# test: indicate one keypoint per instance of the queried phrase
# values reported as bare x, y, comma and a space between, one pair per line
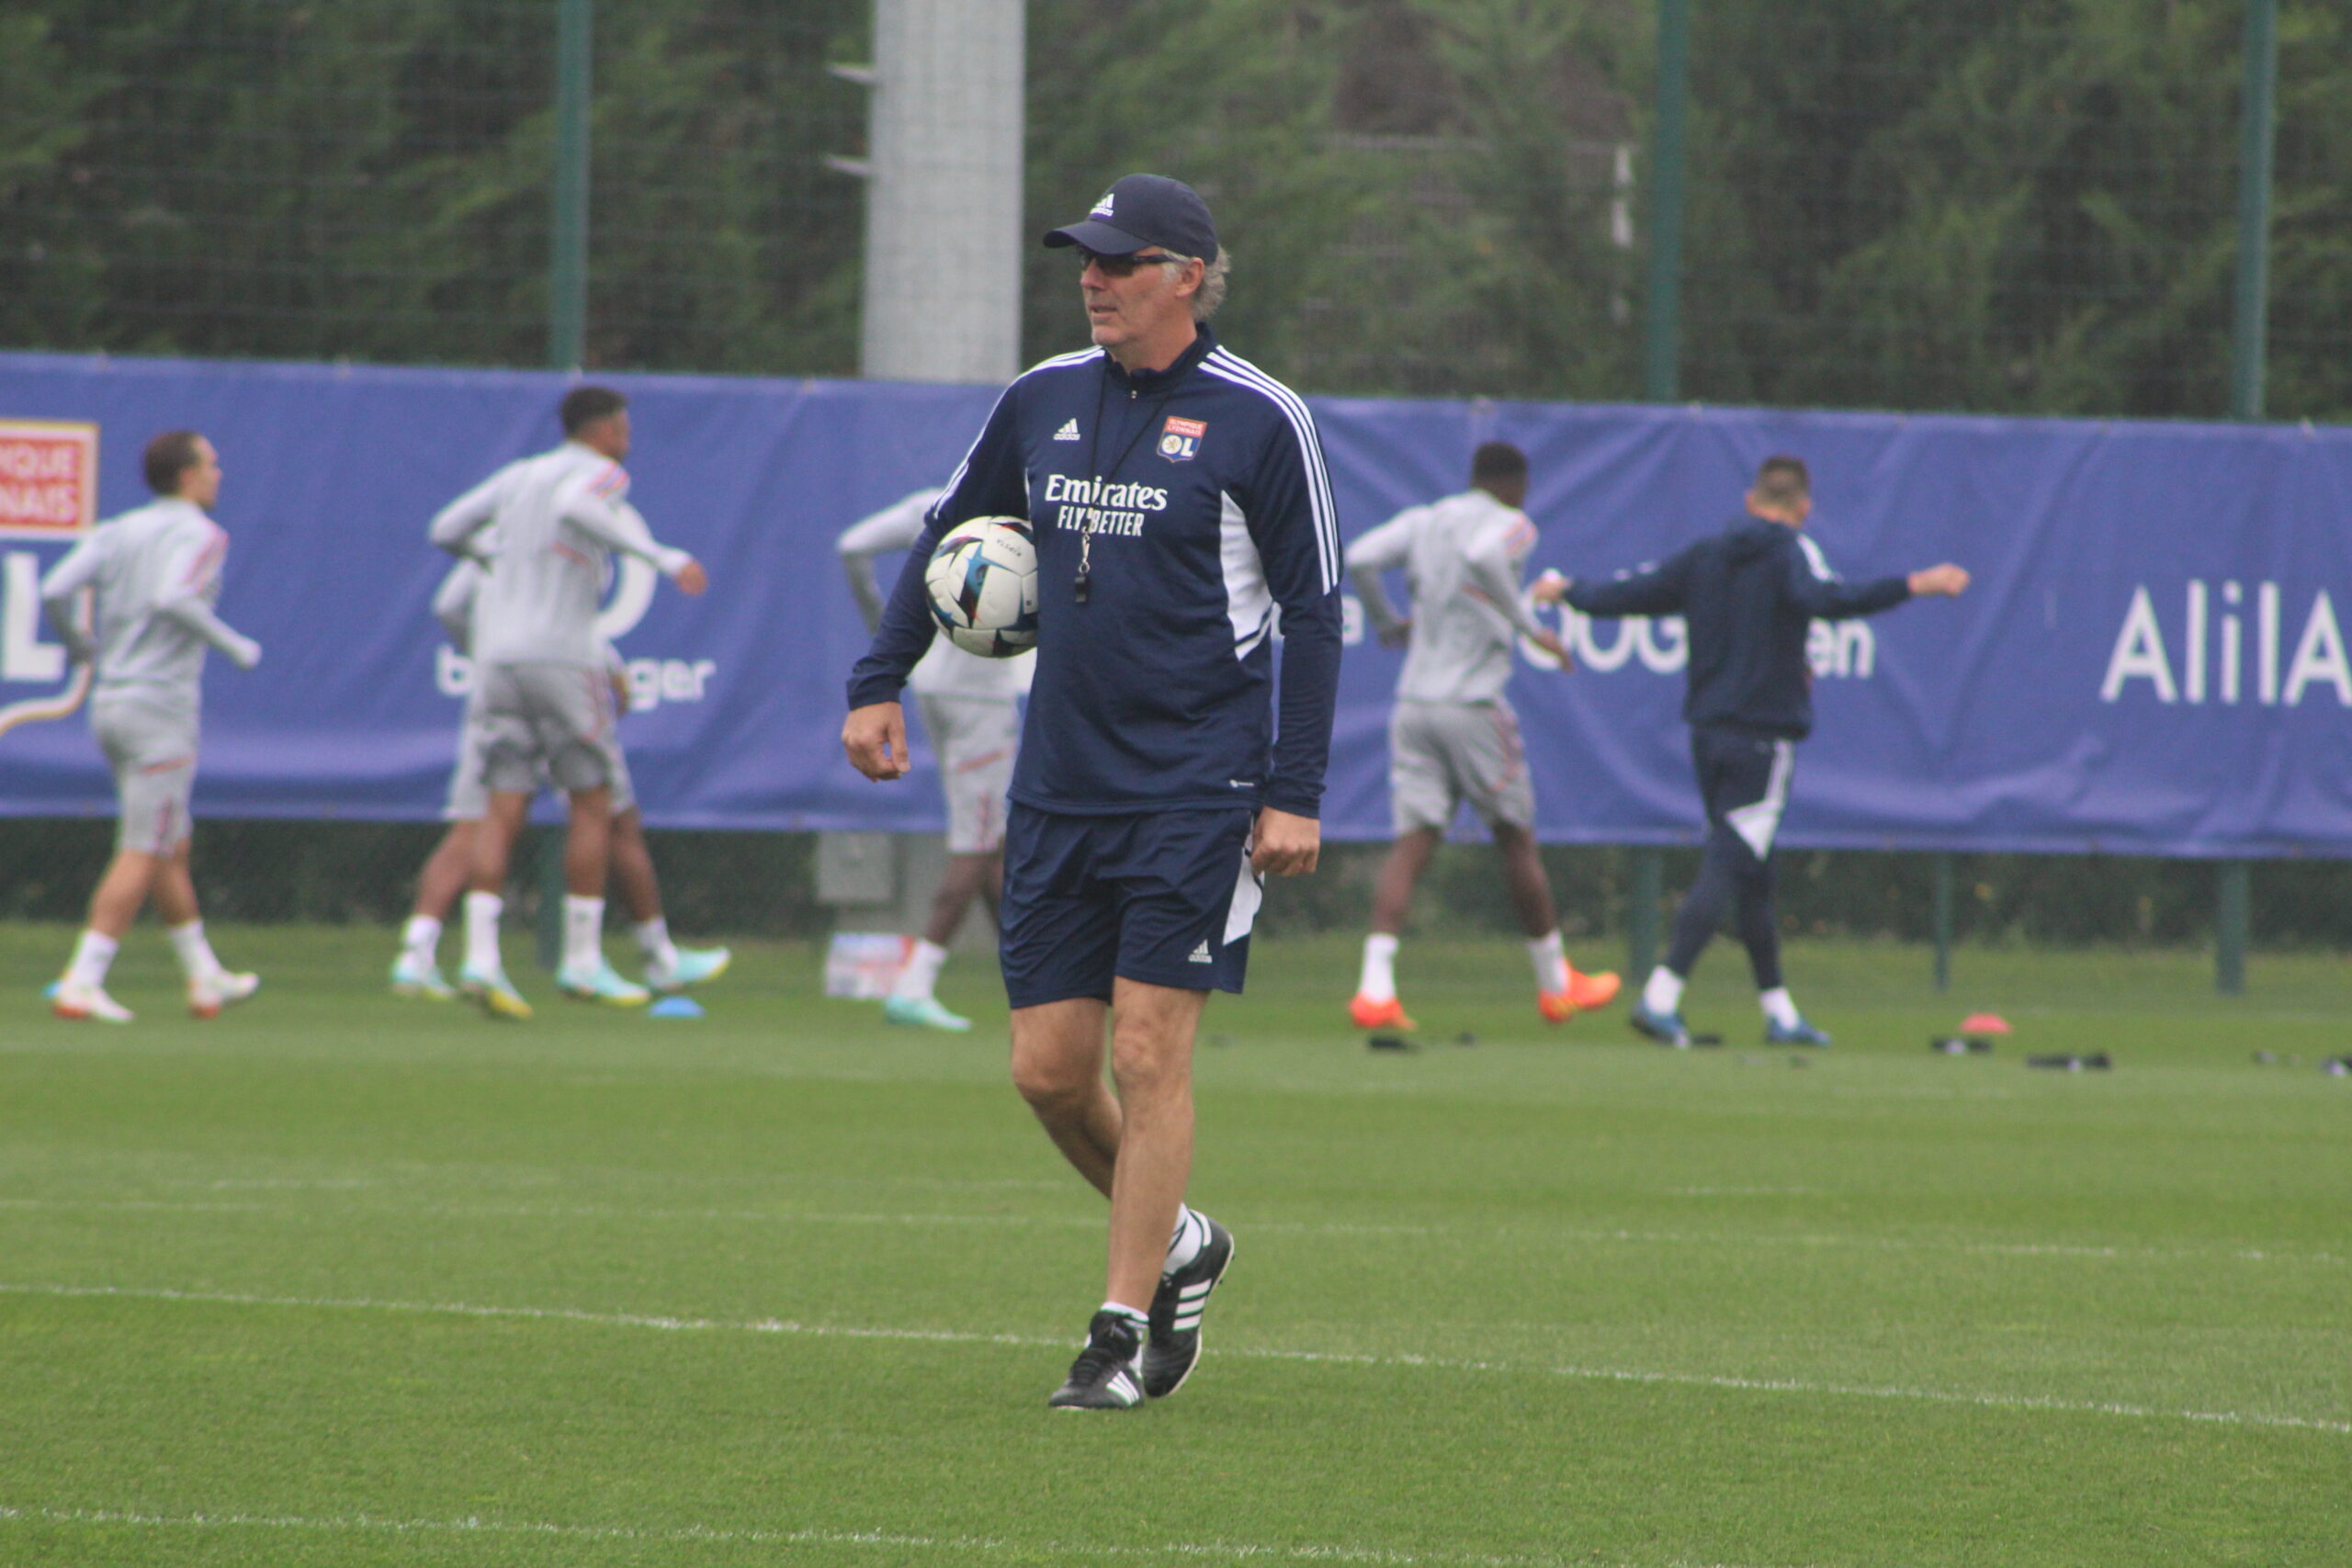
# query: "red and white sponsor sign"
48, 478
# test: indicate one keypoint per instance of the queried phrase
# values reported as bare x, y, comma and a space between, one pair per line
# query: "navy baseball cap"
1145, 209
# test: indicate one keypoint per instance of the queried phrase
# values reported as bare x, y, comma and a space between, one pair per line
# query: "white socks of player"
195, 953
421, 937
1191, 1233
1779, 1007
583, 931
482, 910
654, 941
1662, 993
1378, 983
916, 981
1550, 961
91, 957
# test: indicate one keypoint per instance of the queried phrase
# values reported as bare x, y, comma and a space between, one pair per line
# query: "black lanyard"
1080, 589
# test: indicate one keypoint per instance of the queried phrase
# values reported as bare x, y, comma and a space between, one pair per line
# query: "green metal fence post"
568, 253
2249, 343
1662, 322
2232, 917
1645, 891
1661, 373
1942, 863
567, 327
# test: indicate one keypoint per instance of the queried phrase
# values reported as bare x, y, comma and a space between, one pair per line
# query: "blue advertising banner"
2152, 659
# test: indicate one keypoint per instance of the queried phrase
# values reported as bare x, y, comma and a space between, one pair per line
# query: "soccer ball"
983, 583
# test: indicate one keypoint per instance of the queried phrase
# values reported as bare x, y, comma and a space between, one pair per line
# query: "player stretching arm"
156, 572
1749, 596
416, 972
1179, 497
540, 664
1453, 733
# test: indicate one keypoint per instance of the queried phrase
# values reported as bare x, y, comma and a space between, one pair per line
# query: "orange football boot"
1584, 991
1390, 1014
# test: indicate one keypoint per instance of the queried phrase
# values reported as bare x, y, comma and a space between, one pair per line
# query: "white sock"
420, 937
195, 953
1550, 961
1779, 1006
1141, 1320
654, 941
921, 974
91, 957
1191, 1233
1663, 994
1378, 983
482, 910
583, 931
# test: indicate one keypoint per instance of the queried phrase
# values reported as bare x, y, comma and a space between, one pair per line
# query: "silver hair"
1211, 293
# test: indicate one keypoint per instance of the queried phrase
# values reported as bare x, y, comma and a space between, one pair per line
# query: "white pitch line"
956, 1337
2237, 1252
1223, 1550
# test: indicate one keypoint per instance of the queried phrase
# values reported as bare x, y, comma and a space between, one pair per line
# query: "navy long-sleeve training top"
1198, 498
1748, 596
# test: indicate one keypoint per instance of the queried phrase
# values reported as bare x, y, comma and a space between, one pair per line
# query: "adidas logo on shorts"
1068, 432
1201, 954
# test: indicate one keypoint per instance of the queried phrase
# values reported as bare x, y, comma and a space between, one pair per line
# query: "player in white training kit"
971, 710
539, 664
156, 574
416, 972
1454, 736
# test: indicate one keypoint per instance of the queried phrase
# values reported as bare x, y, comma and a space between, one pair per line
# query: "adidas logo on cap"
1102, 208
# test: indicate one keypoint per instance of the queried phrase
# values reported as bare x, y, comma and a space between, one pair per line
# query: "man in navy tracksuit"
1180, 503
1749, 596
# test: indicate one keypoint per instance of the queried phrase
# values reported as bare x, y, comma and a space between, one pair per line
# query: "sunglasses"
1119, 266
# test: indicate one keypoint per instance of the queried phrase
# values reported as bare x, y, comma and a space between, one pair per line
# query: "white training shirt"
558, 517
157, 573
453, 607
946, 670
1462, 558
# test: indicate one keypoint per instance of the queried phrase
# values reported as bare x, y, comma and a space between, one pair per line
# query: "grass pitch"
344, 1279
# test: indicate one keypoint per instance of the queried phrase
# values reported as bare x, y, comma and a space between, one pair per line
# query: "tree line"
2022, 207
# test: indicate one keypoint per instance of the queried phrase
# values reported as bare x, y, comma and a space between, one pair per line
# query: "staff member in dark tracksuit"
1749, 595
1180, 503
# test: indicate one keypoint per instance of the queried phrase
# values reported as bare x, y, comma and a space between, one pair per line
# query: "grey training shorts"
153, 752
547, 721
1441, 754
469, 779
975, 740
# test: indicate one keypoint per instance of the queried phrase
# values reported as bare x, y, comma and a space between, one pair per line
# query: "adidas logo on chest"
1068, 432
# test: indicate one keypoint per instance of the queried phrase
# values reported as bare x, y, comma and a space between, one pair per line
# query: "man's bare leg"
1135, 1147
444, 874
1151, 1061
1392, 895
1057, 1067
494, 837
122, 892
588, 843
632, 868
1375, 1005
1530, 889
969, 876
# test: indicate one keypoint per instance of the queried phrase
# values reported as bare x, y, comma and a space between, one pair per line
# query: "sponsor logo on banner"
1180, 439
1833, 650
49, 498
2228, 644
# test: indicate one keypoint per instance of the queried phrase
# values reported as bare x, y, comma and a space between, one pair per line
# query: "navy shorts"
1164, 897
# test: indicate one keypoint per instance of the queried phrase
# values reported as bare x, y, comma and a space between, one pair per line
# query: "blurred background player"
1749, 595
1454, 736
539, 666
971, 709
416, 972
156, 574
